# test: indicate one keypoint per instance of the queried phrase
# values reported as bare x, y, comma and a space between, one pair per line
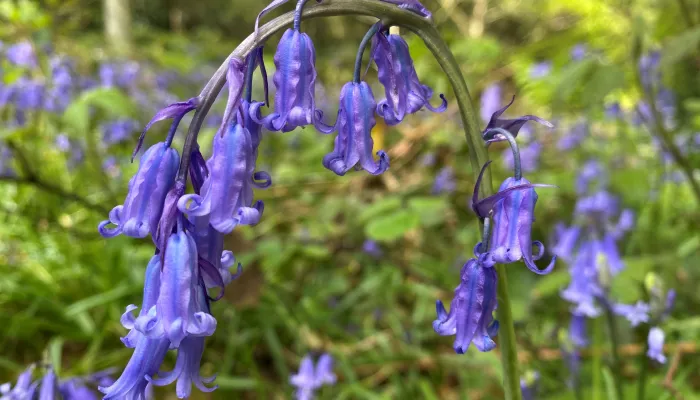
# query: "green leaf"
55, 349
680, 46
430, 210
384, 205
392, 226
609, 384
97, 300
688, 247
550, 284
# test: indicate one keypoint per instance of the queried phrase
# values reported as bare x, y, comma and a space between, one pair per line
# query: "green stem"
614, 346
506, 339
597, 358
644, 369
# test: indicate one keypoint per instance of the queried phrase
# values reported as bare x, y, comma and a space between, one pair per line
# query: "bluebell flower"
75, 389
412, 5
295, 80
656, 345
635, 313
649, 68
574, 137
613, 110
309, 379
176, 111
577, 330
49, 385
354, 142
181, 310
62, 142
592, 170
511, 125
529, 385
444, 181
210, 248
23, 388
227, 194
405, 94
578, 52
540, 69
29, 95
145, 361
21, 54
118, 131
370, 247
567, 238
471, 311
5, 159
147, 190
151, 290
490, 101
186, 371
107, 73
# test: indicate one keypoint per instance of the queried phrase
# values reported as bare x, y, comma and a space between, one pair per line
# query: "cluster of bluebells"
590, 248
188, 229
50, 387
508, 216
49, 84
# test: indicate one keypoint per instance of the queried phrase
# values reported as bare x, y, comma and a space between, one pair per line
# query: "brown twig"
668, 380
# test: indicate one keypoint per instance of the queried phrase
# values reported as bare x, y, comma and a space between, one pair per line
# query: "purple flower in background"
22, 54
295, 80
656, 345
540, 69
578, 52
635, 313
354, 142
75, 389
529, 385
490, 101
23, 389
444, 181
529, 157
107, 73
511, 125
309, 379
429, 159
577, 330
574, 137
471, 311
118, 131
370, 247
649, 68
62, 142
128, 74
613, 110
227, 194
592, 170
29, 94
566, 241
405, 94
111, 166
147, 189
60, 93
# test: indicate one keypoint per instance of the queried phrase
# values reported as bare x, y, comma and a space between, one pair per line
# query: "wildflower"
62, 142
117, 131
649, 68
567, 239
490, 101
655, 342
541, 69
23, 389
151, 290
227, 194
308, 379
577, 330
578, 52
145, 361
444, 181
295, 80
471, 311
529, 157
180, 310
405, 94
511, 125
48, 386
371, 248
528, 385
29, 94
186, 371
176, 111
576, 135
636, 313
591, 170
354, 143
147, 190
613, 110
22, 54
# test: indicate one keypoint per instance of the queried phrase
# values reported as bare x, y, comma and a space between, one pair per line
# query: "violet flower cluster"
310, 378
188, 229
511, 211
50, 387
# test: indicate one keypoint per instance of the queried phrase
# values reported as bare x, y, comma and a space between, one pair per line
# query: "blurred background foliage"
350, 265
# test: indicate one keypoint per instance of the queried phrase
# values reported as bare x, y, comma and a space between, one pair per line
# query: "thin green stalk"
644, 368
506, 339
614, 348
597, 358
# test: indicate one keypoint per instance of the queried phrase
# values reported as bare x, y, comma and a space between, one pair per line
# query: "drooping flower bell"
309, 379
471, 311
227, 194
513, 210
405, 94
145, 361
295, 81
23, 388
151, 290
179, 311
186, 371
656, 345
147, 190
511, 125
